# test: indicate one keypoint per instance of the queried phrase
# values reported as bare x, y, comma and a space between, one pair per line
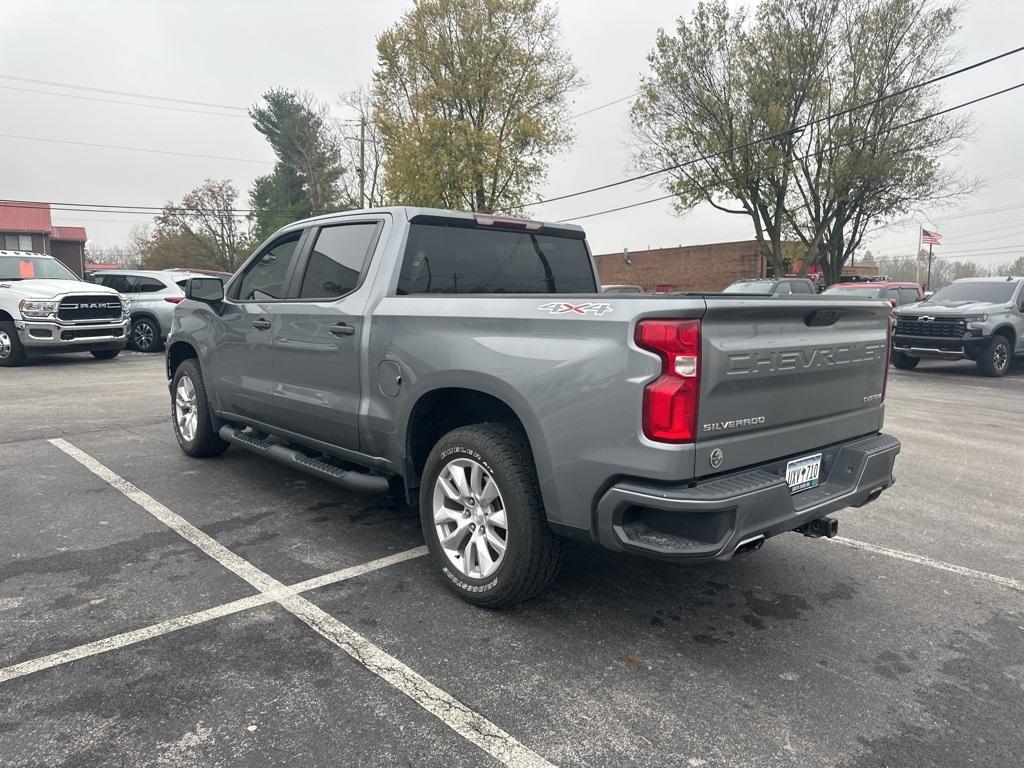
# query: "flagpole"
929, 285
917, 255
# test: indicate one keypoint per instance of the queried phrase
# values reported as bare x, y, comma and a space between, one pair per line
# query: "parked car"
772, 286
975, 318
470, 363
621, 289
151, 296
895, 292
45, 308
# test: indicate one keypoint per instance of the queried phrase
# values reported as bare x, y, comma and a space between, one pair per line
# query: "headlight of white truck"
30, 308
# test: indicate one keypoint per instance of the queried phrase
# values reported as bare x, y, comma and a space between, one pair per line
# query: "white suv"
45, 308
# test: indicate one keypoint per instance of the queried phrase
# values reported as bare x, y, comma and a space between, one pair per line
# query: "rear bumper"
48, 336
709, 520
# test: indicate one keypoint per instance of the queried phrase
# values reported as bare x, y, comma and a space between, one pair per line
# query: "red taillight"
174, 299
670, 401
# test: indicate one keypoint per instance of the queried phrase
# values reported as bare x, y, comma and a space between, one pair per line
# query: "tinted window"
991, 292
120, 283
148, 285
908, 296
893, 294
446, 259
865, 293
266, 278
337, 261
782, 288
799, 286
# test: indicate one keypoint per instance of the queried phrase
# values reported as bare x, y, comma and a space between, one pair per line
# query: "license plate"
802, 474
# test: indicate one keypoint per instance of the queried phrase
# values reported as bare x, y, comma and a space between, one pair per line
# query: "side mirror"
893, 302
209, 290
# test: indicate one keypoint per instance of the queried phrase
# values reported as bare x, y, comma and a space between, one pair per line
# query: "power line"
122, 93
834, 146
781, 134
126, 103
603, 106
133, 149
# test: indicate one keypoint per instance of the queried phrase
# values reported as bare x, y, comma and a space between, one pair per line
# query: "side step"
358, 482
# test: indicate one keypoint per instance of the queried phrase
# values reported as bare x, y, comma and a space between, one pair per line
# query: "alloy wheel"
6, 345
1000, 356
186, 415
143, 335
470, 518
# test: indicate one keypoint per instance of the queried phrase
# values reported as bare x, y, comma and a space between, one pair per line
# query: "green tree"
469, 100
724, 80
309, 176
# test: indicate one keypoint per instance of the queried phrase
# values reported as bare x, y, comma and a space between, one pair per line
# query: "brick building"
707, 268
28, 227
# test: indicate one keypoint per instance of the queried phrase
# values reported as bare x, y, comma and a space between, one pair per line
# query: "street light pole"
362, 162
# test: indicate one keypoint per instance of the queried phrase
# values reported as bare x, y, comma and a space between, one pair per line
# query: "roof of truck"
410, 212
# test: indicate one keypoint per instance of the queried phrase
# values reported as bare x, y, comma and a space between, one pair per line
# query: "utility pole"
928, 285
362, 161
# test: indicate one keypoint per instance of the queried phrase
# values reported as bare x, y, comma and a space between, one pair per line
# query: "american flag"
930, 238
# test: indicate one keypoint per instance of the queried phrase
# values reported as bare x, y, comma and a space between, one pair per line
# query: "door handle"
342, 329
261, 324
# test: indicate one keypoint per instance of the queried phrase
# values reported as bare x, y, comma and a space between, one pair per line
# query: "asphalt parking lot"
146, 616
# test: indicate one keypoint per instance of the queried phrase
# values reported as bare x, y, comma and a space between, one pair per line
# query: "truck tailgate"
786, 375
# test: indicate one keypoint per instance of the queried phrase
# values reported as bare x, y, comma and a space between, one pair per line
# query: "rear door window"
337, 260
458, 259
893, 294
148, 285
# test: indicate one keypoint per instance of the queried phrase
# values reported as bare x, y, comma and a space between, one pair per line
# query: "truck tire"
12, 353
106, 354
190, 413
904, 361
995, 356
145, 336
479, 495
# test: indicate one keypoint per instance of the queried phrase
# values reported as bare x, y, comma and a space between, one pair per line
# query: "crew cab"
45, 308
895, 292
772, 286
470, 363
974, 318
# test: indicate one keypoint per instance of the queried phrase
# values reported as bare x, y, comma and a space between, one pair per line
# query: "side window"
908, 296
148, 285
893, 294
120, 283
337, 261
782, 289
800, 286
266, 277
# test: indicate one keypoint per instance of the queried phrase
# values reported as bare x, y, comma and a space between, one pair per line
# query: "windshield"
751, 286
868, 293
991, 293
33, 267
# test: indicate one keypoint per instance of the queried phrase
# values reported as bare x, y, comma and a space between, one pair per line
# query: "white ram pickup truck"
45, 308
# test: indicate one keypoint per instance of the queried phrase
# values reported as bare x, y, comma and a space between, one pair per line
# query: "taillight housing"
174, 299
670, 401
888, 355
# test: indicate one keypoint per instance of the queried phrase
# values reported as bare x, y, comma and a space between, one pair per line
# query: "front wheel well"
440, 411
1009, 333
178, 353
5, 317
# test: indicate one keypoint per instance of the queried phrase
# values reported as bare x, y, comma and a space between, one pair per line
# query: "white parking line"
910, 557
471, 725
183, 622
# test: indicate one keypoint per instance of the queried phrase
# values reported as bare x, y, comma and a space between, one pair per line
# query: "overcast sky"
227, 52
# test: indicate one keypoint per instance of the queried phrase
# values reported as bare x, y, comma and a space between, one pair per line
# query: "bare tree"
363, 150
207, 215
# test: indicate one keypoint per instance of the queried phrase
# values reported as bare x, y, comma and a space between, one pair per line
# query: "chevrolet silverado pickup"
45, 308
470, 363
974, 318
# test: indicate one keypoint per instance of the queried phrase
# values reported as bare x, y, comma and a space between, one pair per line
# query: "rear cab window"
453, 258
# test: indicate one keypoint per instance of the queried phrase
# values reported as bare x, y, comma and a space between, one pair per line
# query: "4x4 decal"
565, 308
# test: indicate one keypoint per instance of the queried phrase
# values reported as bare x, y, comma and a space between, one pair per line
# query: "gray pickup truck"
469, 362
975, 318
